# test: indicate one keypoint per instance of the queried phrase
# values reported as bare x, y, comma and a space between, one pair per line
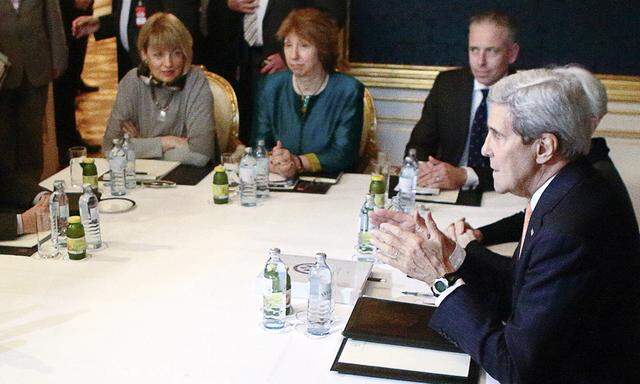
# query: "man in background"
32, 38
449, 135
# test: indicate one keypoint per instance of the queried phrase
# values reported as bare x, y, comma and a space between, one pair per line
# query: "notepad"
405, 358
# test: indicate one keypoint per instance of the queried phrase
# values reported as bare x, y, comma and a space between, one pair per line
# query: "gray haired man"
564, 308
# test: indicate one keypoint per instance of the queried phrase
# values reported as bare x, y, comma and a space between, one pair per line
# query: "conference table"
173, 297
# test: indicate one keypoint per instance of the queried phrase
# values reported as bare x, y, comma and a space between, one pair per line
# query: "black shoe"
85, 88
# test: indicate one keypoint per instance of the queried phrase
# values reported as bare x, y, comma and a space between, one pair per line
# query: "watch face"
440, 285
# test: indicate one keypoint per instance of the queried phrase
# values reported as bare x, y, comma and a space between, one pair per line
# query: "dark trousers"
65, 89
125, 62
21, 128
249, 75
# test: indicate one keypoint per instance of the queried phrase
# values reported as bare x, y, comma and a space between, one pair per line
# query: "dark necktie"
478, 135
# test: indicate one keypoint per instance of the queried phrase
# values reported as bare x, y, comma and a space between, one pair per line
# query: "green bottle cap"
377, 177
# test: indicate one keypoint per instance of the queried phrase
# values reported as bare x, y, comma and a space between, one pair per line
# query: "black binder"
397, 323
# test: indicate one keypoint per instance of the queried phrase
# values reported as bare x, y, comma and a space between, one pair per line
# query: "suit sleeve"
8, 226
59, 50
504, 230
531, 343
425, 136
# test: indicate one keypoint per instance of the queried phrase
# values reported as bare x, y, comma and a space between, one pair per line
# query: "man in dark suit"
32, 37
450, 133
20, 199
507, 229
242, 44
136, 14
565, 307
65, 88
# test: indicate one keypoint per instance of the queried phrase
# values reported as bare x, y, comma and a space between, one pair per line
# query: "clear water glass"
76, 155
47, 249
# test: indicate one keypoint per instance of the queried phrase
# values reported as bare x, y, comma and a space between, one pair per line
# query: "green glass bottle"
378, 188
89, 172
76, 244
288, 294
220, 185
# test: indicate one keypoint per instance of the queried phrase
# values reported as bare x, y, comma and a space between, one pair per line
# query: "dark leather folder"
396, 323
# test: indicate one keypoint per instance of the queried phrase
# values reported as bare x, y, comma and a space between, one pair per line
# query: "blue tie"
478, 134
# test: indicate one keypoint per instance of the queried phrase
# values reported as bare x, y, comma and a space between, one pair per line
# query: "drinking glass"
76, 155
46, 248
380, 166
231, 165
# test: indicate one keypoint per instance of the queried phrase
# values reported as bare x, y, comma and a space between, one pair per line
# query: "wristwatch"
442, 284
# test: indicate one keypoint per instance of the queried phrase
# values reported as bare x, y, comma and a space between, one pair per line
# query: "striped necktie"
251, 28
478, 134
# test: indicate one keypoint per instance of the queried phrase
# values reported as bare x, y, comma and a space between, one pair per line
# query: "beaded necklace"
307, 98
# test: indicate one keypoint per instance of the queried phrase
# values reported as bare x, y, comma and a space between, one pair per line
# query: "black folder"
471, 197
397, 323
188, 174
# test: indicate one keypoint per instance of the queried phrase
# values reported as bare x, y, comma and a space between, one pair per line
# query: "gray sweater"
189, 114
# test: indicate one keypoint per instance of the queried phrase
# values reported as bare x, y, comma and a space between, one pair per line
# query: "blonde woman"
165, 104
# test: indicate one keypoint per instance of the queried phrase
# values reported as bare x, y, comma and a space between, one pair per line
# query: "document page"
449, 197
405, 358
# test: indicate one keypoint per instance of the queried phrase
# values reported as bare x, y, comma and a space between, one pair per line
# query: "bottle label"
406, 184
379, 200
76, 246
93, 212
322, 291
117, 164
247, 175
263, 166
220, 192
93, 180
141, 15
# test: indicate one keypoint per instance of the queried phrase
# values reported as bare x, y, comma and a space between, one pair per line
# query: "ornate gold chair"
368, 146
225, 112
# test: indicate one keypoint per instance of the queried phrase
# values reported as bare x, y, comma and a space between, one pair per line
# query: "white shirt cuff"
472, 179
447, 292
19, 227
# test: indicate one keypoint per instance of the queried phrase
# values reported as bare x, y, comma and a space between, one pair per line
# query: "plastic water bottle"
274, 301
59, 213
262, 171
248, 179
88, 204
407, 185
130, 170
365, 248
117, 166
319, 307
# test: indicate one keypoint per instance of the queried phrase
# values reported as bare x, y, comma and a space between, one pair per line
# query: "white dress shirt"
16, 4
124, 23
260, 11
476, 98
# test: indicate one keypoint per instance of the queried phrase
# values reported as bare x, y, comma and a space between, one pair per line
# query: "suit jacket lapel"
566, 179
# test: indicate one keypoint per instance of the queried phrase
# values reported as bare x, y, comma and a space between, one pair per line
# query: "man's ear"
547, 146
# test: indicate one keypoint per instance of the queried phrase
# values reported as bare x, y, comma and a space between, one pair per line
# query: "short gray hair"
542, 101
594, 89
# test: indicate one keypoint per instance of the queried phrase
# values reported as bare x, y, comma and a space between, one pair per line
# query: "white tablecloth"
172, 298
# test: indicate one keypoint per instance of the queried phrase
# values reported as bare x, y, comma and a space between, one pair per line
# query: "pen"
410, 293
141, 173
376, 279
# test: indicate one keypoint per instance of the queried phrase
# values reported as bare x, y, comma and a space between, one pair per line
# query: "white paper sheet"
405, 358
443, 197
22, 241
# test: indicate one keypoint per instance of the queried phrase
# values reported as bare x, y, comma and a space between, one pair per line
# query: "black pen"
141, 173
410, 293
377, 279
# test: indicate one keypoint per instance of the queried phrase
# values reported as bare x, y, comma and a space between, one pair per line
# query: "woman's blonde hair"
165, 31
317, 28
